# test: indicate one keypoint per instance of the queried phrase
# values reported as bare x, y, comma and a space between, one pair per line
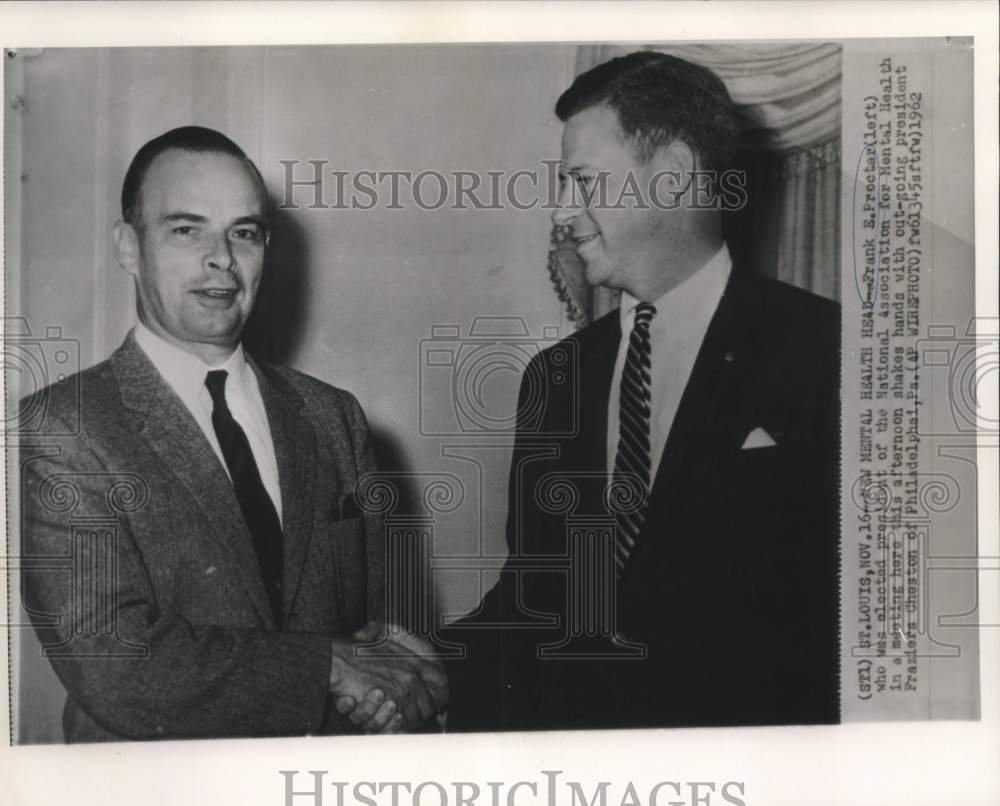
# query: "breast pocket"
755, 482
748, 459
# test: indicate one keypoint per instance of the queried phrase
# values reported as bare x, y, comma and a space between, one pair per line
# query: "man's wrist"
338, 663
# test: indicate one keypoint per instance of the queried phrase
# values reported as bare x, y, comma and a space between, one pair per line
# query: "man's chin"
594, 274
222, 333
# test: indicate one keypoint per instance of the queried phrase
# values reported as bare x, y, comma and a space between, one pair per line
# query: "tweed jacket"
162, 628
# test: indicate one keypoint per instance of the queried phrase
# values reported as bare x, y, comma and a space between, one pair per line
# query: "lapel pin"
729, 358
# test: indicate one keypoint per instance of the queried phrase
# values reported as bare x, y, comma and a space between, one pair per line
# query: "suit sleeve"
137, 671
375, 534
492, 686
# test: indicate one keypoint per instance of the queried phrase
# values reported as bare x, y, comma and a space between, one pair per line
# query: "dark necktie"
256, 505
632, 461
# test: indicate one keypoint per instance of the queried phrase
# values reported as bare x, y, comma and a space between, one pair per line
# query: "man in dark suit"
223, 573
673, 501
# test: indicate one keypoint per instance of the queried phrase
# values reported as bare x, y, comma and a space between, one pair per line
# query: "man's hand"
432, 668
397, 685
374, 714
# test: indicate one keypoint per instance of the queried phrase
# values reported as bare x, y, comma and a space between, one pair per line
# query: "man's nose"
569, 207
220, 256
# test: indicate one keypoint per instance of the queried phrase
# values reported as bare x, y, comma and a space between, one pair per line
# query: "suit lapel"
294, 448
714, 405
712, 408
168, 427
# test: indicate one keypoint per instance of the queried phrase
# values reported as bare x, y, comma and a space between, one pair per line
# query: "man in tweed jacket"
173, 622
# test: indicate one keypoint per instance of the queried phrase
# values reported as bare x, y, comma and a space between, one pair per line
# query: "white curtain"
788, 99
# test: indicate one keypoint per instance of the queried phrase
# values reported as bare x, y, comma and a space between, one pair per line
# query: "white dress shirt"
675, 336
186, 376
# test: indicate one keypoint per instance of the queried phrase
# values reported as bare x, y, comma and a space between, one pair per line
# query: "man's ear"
675, 160
127, 247
670, 170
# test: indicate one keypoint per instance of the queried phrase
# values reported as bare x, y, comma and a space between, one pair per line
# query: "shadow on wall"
277, 326
415, 599
392, 460
276, 332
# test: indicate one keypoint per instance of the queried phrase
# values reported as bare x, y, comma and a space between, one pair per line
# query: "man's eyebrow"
182, 216
250, 219
194, 218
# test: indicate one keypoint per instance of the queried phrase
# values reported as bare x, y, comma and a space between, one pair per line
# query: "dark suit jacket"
732, 587
163, 628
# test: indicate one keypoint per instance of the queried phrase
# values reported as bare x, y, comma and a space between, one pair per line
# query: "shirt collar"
706, 283
185, 372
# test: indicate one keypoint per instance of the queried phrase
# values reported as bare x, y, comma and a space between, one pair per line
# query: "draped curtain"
788, 103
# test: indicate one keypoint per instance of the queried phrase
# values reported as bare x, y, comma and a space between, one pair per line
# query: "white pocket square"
758, 438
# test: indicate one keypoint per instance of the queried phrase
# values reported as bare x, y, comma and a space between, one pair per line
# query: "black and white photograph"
477, 388
673, 479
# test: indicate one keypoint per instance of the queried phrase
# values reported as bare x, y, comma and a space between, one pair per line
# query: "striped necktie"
632, 461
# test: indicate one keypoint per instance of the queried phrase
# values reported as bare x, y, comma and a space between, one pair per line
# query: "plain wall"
351, 295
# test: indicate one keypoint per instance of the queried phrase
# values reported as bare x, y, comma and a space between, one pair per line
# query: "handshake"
392, 685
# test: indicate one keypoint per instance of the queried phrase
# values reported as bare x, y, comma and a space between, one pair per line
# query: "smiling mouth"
582, 239
219, 295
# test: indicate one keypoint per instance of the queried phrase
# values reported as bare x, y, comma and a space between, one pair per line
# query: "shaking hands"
386, 681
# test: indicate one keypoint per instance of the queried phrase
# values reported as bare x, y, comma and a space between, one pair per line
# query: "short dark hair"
659, 99
197, 140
